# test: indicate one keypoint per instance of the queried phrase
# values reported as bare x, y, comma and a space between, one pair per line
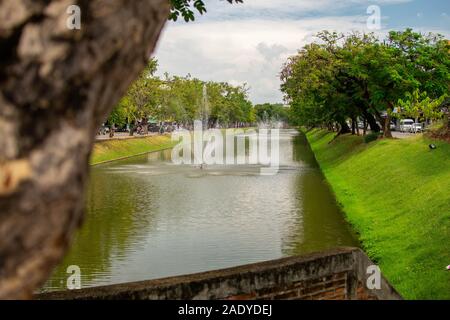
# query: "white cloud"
247, 51
313, 5
250, 44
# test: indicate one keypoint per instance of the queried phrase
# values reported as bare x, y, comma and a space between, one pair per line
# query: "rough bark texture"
370, 120
56, 87
387, 122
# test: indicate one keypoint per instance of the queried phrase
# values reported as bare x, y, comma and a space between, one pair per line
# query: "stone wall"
338, 274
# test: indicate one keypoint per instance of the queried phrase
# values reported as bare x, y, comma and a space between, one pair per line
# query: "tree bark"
387, 128
370, 119
344, 128
56, 87
387, 123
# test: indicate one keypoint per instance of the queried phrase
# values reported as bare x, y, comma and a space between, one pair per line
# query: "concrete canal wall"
337, 274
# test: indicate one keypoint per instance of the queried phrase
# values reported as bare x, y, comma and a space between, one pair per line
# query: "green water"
148, 218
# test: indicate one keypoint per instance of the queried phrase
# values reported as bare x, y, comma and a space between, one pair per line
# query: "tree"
185, 8
420, 105
57, 86
271, 112
358, 76
140, 101
180, 99
309, 81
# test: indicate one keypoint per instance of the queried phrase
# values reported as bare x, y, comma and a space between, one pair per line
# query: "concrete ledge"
335, 274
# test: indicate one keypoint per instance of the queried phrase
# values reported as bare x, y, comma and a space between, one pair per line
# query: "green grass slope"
396, 194
115, 149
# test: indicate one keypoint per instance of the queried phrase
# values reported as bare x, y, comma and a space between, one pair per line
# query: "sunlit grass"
396, 194
110, 150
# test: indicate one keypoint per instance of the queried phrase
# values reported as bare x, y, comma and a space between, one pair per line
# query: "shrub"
371, 137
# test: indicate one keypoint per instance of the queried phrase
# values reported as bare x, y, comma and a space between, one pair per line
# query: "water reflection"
321, 224
147, 218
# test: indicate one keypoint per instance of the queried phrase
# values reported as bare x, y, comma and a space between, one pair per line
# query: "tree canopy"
180, 99
343, 77
271, 112
186, 8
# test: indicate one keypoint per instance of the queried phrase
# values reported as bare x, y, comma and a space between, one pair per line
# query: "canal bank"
123, 147
116, 149
337, 274
144, 215
396, 195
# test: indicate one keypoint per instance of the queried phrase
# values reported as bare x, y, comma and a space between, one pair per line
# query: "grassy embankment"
116, 149
396, 194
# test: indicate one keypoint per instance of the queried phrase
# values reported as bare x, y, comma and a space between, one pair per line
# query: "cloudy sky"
248, 43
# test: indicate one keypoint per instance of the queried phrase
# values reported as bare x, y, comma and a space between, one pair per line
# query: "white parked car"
416, 127
406, 125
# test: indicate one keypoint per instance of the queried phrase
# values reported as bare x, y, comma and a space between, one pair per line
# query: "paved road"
122, 135
403, 135
126, 135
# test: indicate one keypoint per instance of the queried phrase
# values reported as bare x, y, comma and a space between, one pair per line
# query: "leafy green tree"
269, 111
420, 105
427, 59
358, 76
180, 99
186, 8
140, 100
308, 82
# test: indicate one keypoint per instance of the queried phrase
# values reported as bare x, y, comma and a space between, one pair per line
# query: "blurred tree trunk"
344, 128
387, 122
56, 87
371, 121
